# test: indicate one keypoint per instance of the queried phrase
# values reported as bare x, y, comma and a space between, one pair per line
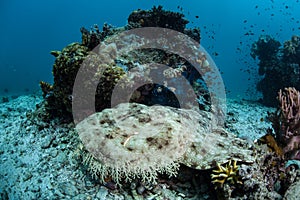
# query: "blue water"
31, 29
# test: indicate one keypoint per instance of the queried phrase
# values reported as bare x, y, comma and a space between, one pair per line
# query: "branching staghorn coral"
227, 173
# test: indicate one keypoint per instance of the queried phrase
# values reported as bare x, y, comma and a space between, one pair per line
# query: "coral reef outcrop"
157, 17
278, 66
59, 96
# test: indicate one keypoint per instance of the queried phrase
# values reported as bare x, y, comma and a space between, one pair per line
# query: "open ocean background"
31, 29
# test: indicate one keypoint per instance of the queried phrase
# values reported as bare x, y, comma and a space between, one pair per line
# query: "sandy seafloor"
37, 162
